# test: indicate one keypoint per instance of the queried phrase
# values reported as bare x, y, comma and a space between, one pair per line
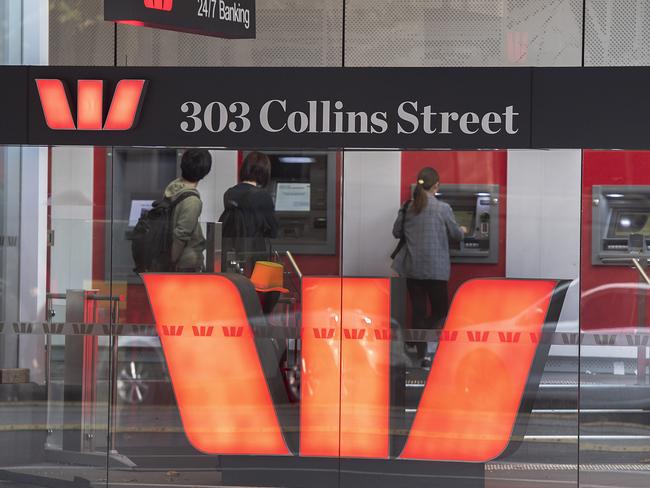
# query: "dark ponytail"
427, 178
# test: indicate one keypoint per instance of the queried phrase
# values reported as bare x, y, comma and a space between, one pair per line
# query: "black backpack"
235, 231
151, 239
242, 239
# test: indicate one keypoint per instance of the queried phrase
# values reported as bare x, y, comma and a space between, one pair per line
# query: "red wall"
603, 307
99, 212
464, 167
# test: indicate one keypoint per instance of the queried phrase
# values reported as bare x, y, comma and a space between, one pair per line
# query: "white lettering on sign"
229, 12
411, 120
331, 117
216, 117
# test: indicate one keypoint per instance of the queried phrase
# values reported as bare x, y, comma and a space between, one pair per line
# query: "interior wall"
543, 212
371, 193
71, 200
222, 176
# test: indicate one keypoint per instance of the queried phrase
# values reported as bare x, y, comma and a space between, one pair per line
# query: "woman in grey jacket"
426, 225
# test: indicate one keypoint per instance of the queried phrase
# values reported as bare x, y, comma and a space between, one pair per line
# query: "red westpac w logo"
159, 4
231, 399
122, 114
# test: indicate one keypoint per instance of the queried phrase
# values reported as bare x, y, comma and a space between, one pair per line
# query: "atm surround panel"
477, 208
303, 188
620, 226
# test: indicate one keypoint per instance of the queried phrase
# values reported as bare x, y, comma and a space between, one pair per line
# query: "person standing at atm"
248, 220
424, 226
188, 242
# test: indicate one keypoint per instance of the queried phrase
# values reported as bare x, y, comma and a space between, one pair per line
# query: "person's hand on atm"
464, 229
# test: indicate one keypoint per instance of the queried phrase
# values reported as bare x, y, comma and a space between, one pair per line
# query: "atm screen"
465, 218
292, 197
138, 207
632, 223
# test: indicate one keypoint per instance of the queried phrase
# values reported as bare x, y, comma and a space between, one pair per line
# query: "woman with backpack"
424, 226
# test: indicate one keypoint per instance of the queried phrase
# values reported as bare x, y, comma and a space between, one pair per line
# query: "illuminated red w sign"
230, 402
122, 113
159, 4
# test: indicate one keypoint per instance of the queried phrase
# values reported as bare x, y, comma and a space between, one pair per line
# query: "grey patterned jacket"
425, 254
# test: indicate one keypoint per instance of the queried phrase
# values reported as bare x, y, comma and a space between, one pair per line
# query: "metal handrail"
639, 268
294, 265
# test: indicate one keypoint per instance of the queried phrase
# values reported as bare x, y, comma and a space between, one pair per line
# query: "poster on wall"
234, 19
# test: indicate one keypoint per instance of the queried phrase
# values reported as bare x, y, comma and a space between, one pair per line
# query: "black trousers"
268, 301
434, 294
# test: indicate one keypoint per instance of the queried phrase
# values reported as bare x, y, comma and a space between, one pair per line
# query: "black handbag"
402, 240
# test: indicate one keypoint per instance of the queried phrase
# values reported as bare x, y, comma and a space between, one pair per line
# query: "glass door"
454, 372
226, 366
614, 381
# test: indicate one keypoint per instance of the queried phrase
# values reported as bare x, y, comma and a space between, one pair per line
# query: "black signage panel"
597, 108
13, 101
290, 108
219, 18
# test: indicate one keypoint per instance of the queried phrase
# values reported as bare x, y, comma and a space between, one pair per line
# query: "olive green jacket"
188, 239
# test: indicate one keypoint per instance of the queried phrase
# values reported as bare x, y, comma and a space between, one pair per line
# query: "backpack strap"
402, 239
183, 196
405, 207
174, 203
404, 211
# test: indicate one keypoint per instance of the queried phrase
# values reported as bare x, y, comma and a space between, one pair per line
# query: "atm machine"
477, 208
303, 188
620, 224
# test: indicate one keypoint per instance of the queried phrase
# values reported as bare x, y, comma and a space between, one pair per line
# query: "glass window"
483, 287
267, 341
613, 315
